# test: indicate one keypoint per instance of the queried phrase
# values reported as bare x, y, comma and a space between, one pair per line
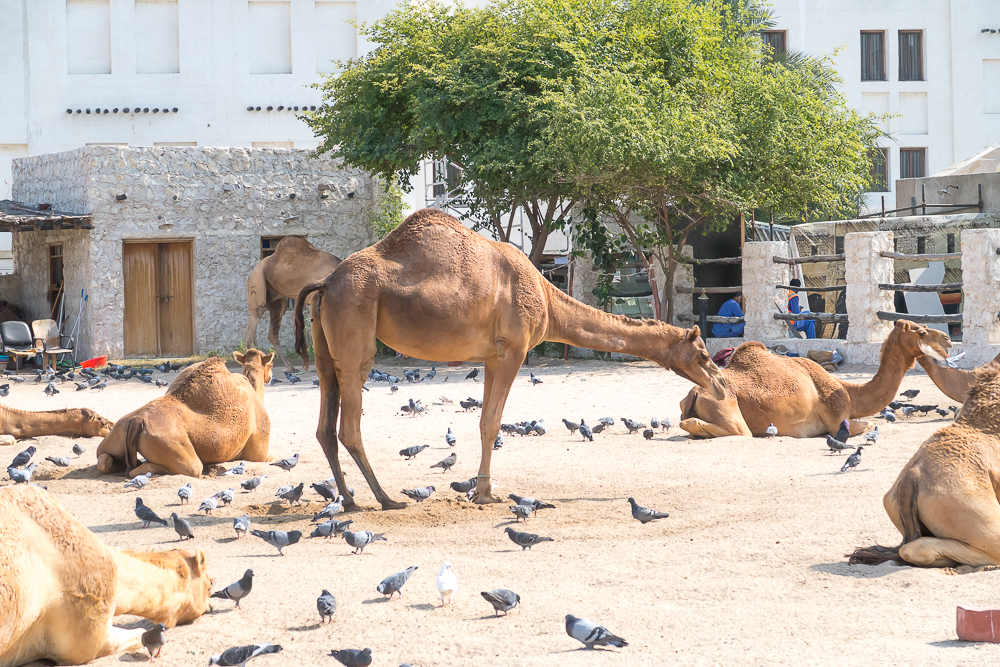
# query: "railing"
901, 257
811, 259
829, 288
684, 289
921, 319
711, 319
832, 318
955, 318
912, 208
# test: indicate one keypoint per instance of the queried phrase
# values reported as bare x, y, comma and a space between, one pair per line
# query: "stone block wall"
760, 274
864, 270
981, 287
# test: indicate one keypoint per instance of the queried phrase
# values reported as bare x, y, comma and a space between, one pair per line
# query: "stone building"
174, 234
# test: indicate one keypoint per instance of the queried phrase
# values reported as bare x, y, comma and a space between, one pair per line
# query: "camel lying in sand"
208, 415
945, 501
800, 398
61, 586
954, 383
69, 423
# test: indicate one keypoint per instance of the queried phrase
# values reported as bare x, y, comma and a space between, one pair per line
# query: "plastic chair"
52, 344
17, 341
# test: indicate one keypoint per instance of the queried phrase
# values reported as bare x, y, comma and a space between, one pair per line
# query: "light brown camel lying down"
800, 398
60, 586
954, 383
944, 502
208, 415
69, 423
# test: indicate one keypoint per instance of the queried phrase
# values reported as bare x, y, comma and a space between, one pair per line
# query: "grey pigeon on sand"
450, 438
289, 463
598, 427
208, 504
23, 458
648, 434
326, 605
771, 431
871, 436
501, 599
138, 481
910, 393
853, 461
644, 514
836, 445
236, 470
22, 476
153, 640
585, 431
572, 426
330, 528
64, 462
329, 493
521, 512
844, 431
182, 526
282, 490
362, 538
241, 525
394, 582
410, 452
184, 493
525, 540
535, 380
331, 510
78, 450
464, 487
146, 515
666, 423
252, 483
537, 504
591, 634
295, 495
278, 539
447, 462
420, 495
239, 655
237, 590
225, 496
352, 657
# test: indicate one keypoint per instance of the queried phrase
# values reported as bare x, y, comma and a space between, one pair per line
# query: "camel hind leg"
277, 309
256, 303
500, 372
705, 417
329, 411
973, 522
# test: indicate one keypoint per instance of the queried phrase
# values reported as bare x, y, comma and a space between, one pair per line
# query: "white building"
933, 65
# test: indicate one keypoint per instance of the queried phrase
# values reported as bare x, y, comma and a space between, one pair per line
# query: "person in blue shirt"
808, 326
731, 308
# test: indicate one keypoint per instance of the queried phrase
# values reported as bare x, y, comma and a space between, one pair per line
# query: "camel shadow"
84, 472
305, 628
226, 540
421, 607
842, 569
114, 527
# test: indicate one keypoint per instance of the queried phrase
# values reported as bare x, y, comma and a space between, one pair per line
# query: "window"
921, 245
911, 57
55, 275
880, 170
775, 39
951, 243
895, 244
911, 162
88, 36
268, 244
270, 38
838, 245
336, 38
873, 56
157, 48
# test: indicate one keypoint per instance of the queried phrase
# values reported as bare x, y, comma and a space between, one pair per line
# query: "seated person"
808, 326
730, 308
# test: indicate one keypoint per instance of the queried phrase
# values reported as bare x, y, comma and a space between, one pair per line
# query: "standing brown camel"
294, 263
800, 398
954, 383
436, 290
945, 501
208, 415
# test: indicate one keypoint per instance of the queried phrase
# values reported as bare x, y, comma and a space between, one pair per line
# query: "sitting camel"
945, 501
208, 415
954, 383
435, 290
800, 398
62, 586
279, 277
69, 423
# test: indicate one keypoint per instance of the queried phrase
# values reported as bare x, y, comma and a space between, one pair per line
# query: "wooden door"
139, 262
158, 299
174, 279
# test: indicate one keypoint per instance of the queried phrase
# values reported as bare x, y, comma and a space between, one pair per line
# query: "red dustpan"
95, 362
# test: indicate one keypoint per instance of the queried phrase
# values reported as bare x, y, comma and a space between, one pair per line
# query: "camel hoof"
393, 505
481, 499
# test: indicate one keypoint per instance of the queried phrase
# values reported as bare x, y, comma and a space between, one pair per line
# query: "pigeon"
394, 582
239, 655
80, 386
852, 461
464, 487
274, 381
537, 504
420, 495
410, 452
954, 410
525, 540
535, 380
644, 514
450, 438
184, 493
539, 427
871, 437
23, 458
632, 426
22, 476
585, 431
521, 512
598, 427
278, 539
330, 528
236, 470
925, 409
289, 463
468, 405
836, 445
64, 462
78, 450
648, 434
498, 442
501, 599
447, 583
161, 383
446, 463
431, 374
292, 379
238, 590
241, 525
329, 493
283, 490
473, 375
153, 640
138, 481
941, 413
182, 526
50, 389
910, 393
908, 410
393, 388
295, 495
100, 386
17, 379
572, 426
666, 423
591, 634
352, 657
252, 483
331, 510
146, 515
326, 605
225, 496
208, 504
362, 538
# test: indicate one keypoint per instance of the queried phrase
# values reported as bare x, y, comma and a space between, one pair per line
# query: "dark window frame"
267, 245
921, 245
910, 165
880, 177
873, 64
776, 39
911, 65
951, 242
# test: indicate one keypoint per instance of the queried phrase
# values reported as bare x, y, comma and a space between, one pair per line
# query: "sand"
750, 567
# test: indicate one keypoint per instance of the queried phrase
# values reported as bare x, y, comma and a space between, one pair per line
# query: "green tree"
388, 213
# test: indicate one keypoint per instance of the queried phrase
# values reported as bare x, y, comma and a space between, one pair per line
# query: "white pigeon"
447, 583
771, 431
283, 490
138, 482
185, 494
208, 505
241, 525
951, 360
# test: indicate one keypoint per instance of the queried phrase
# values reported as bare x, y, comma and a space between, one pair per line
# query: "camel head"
691, 360
917, 340
256, 365
94, 425
184, 588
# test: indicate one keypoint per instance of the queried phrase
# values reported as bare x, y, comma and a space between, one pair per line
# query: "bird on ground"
445, 400
393, 388
225, 496
146, 379
209, 504
852, 461
844, 431
430, 374
464, 487
238, 656
632, 426
292, 378
591, 634
182, 527
360, 539
154, 639
237, 590
161, 383
501, 599
22, 476
283, 489
498, 441
644, 514
50, 389
18, 379
525, 540
607, 421
103, 384
889, 416
237, 469
62, 462
925, 409
394, 582
139, 481
941, 413
872, 436
326, 605
648, 434
521, 512
289, 463
666, 423
146, 515
23, 458
447, 583
450, 438
420, 495
184, 493
470, 404
330, 528
411, 452
447, 462
770, 431
598, 428
910, 393
80, 386
572, 426
908, 410
295, 495
329, 493
836, 445
274, 381
654, 423
252, 483
472, 375
241, 525
278, 539
535, 380
352, 657
78, 450
586, 432
539, 427
954, 410
895, 405
536, 504
331, 510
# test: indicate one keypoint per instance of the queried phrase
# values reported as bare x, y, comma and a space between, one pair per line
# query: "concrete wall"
223, 200
936, 190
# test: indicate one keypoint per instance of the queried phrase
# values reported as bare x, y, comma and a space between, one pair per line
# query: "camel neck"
872, 396
256, 377
144, 589
954, 383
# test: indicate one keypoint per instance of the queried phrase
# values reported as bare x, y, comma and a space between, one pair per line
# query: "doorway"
158, 299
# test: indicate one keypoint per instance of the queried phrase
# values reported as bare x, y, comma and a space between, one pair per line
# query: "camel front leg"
120, 640
709, 418
698, 428
277, 311
942, 552
499, 376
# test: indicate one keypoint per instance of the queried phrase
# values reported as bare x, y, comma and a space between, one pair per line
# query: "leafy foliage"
389, 213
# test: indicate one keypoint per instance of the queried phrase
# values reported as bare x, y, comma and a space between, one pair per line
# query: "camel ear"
88, 414
693, 334
238, 357
903, 325
199, 561
267, 359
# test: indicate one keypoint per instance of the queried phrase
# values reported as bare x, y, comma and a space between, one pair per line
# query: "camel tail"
912, 529
135, 429
300, 328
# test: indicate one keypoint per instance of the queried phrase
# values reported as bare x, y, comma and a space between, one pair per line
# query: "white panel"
336, 38
991, 86
156, 37
88, 36
7, 153
913, 109
270, 37
878, 104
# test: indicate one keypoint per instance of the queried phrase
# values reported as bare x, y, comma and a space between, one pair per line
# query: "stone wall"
981, 287
760, 274
222, 199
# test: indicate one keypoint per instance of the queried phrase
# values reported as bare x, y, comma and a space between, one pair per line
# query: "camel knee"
106, 463
702, 429
942, 552
120, 640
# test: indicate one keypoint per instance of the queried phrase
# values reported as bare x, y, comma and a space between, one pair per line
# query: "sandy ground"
750, 567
